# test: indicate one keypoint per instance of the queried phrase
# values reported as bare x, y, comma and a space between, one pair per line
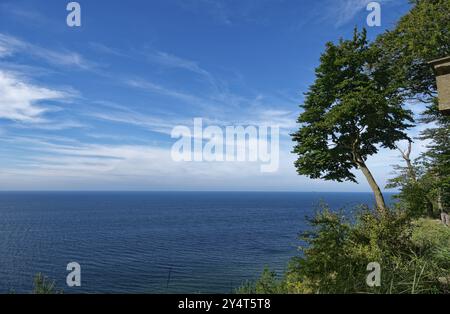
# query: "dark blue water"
152, 242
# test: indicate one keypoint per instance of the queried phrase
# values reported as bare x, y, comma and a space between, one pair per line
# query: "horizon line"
184, 191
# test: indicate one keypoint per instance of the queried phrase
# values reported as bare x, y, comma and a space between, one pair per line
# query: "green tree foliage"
437, 157
428, 192
354, 106
42, 285
421, 36
386, 239
433, 239
414, 186
414, 256
350, 111
267, 283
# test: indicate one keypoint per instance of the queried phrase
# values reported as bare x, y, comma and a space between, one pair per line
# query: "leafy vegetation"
350, 110
356, 105
338, 249
42, 285
420, 36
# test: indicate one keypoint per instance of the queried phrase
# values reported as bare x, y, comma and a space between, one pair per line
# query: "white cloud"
103, 49
155, 88
217, 9
52, 125
227, 12
343, 11
23, 15
58, 163
173, 61
170, 60
4, 51
10, 45
21, 101
151, 123
138, 163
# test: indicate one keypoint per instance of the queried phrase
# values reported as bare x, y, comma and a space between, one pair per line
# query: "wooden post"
442, 70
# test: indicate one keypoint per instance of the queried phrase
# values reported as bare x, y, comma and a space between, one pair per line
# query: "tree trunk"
444, 216
439, 202
406, 156
429, 206
379, 199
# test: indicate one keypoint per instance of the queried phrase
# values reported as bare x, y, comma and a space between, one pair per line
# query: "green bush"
266, 284
433, 239
42, 285
414, 256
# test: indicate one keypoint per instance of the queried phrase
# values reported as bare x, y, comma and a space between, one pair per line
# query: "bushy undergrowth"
42, 285
413, 254
433, 239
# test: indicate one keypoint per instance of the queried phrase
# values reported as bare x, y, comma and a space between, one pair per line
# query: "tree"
437, 157
414, 185
410, 169
350, 111
420, 36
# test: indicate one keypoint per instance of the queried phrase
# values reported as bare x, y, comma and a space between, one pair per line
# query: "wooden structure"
442, 70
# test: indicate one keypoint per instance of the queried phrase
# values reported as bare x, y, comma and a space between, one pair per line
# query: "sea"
154, 242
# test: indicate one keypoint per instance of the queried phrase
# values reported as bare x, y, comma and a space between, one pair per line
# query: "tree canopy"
350, 111
420, 36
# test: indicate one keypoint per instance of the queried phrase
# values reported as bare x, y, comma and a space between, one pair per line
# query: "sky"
93, 107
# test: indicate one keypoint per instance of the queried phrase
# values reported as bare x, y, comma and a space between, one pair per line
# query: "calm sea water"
156, 242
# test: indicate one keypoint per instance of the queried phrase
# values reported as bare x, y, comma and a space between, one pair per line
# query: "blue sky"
92, 108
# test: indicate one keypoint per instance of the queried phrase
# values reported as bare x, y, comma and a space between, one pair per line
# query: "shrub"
266, 284
414, 256
42, 285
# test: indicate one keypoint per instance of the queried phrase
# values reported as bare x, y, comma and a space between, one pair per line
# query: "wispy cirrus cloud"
4, 51
217, 9
104, 49
155, 56
22, 101
80, 165
172, 61
152, 123
23, 14
10, 45
226, 12
344, 11
159, 89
